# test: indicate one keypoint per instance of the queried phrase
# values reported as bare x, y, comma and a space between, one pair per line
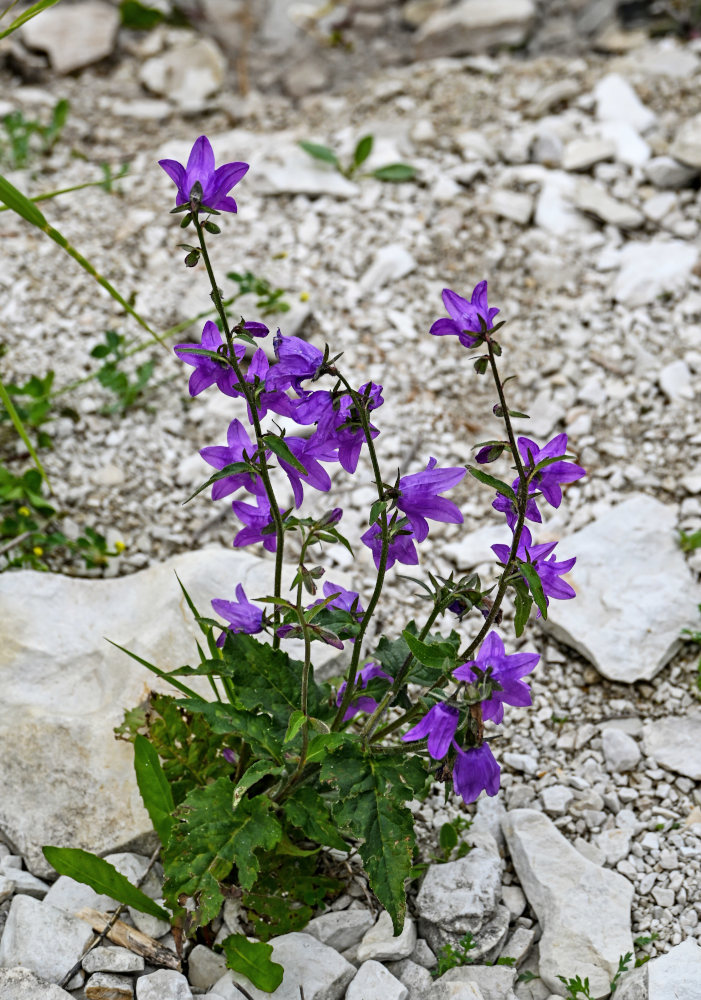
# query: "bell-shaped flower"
238, 447
474, 771
363, 703
438, 726
208, 371
401, 547
257, 519
241, 615
549, 570
507, 669
315, 475
216, 182
298, 360
465, 316
549, 479
419, 497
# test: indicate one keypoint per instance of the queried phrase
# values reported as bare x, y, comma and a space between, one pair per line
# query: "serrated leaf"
323, 744
536, 587
372, 791
363, 150
395, 172
254, 727
431, 655
154, 788
307, 810
496, 484
295, 724
254, 773
103, 877
320, 152
277, 445
209, 838
252, 959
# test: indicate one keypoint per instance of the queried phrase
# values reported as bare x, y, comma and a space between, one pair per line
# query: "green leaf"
395, 172
156, 670
27, 15
101, 876
229, 470
254, 727
19, 427
295, 724
377, 508
209, 838
154, 788
496, 484
320, 152
372, 791
139, 17
536, 587
362, 150
277, 444
448, 838
253, 774
323, 744
431, 655
524, 603
252, 959
307, 810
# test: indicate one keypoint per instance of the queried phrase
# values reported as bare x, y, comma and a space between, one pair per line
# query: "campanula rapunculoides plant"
277, 765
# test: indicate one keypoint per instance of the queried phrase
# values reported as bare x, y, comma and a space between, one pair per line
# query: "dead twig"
128, 937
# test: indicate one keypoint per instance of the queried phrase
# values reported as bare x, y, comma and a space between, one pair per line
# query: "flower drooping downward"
241, 615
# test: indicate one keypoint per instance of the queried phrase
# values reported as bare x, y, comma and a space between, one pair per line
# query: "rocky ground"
572, 185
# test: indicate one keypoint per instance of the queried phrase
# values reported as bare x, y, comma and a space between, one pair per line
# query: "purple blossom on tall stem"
465, 316
507, 669
401, 547
238, 447
257, 519
474, 771
208, 371
347, 600
507, 507
363, 703
342, 432
316, 475
216, 182
549, 479
438, 726
297, 360
241, 615
419, 497
549, 570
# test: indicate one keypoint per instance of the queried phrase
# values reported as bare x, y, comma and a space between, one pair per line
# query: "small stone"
556, 799
514, 900
74, 36
659, 206
103, 986
22, 984
381, 944
621, 752
415, 977
630, 148
374, 982
422, 955
166, 984
389, 264
675, 381
663, 897
494, 982
152, 926
675, 743
474, 26
614, 843
42, 938
519, 944
677, 974
106, 958
205, 967
687, 143
582, 154
524, 762
594, 200
617, 101
647, 270
461, 896
7, 888
454, 991
189, 74
513, 205
341, 930
666, 172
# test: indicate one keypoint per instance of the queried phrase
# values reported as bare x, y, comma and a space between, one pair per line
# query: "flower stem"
250, 396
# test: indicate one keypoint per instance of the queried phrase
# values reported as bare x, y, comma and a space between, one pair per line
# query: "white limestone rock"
675, 743
166, 984
582, 154
42, 938
616, 101
687, 143
189, 74
495, 982
104, 986
324, 974
389, 264
109, 958
649, 269
205, 967
416, 978
341, 930
73, 35
473, 26
453, 991
673, 976
513, 205
594, 200
666, 172
20, 983
374, 982
381, 943
462, 895
621, 752
637, 627
584, 910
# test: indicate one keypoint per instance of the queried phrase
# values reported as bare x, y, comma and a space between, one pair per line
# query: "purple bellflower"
347, 600
438, 725
216, 182
316, 475
208, 371
419, 497
238, 445
507, 670
475, 770
256, 519
241, 615
401, 547
549, 570
364, 703
342, 432
507, 507
297, 361
464, 315
549, 479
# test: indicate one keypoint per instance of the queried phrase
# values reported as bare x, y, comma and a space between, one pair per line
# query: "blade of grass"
25, 16
19, 427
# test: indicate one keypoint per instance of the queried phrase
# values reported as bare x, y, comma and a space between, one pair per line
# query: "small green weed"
576, 987
28, 137
392, 172
695, 637
452, 957
687, 543
128, 392
269, 300
449, 839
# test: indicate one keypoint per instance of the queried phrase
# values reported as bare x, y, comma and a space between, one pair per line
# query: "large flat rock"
675, 742
634, 591
584, 910
66, 780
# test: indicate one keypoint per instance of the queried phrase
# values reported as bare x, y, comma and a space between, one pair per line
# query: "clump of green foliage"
391, 172
128, 391
26, 138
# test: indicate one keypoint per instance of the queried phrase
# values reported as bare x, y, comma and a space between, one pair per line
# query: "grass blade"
19, 427
25, 16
